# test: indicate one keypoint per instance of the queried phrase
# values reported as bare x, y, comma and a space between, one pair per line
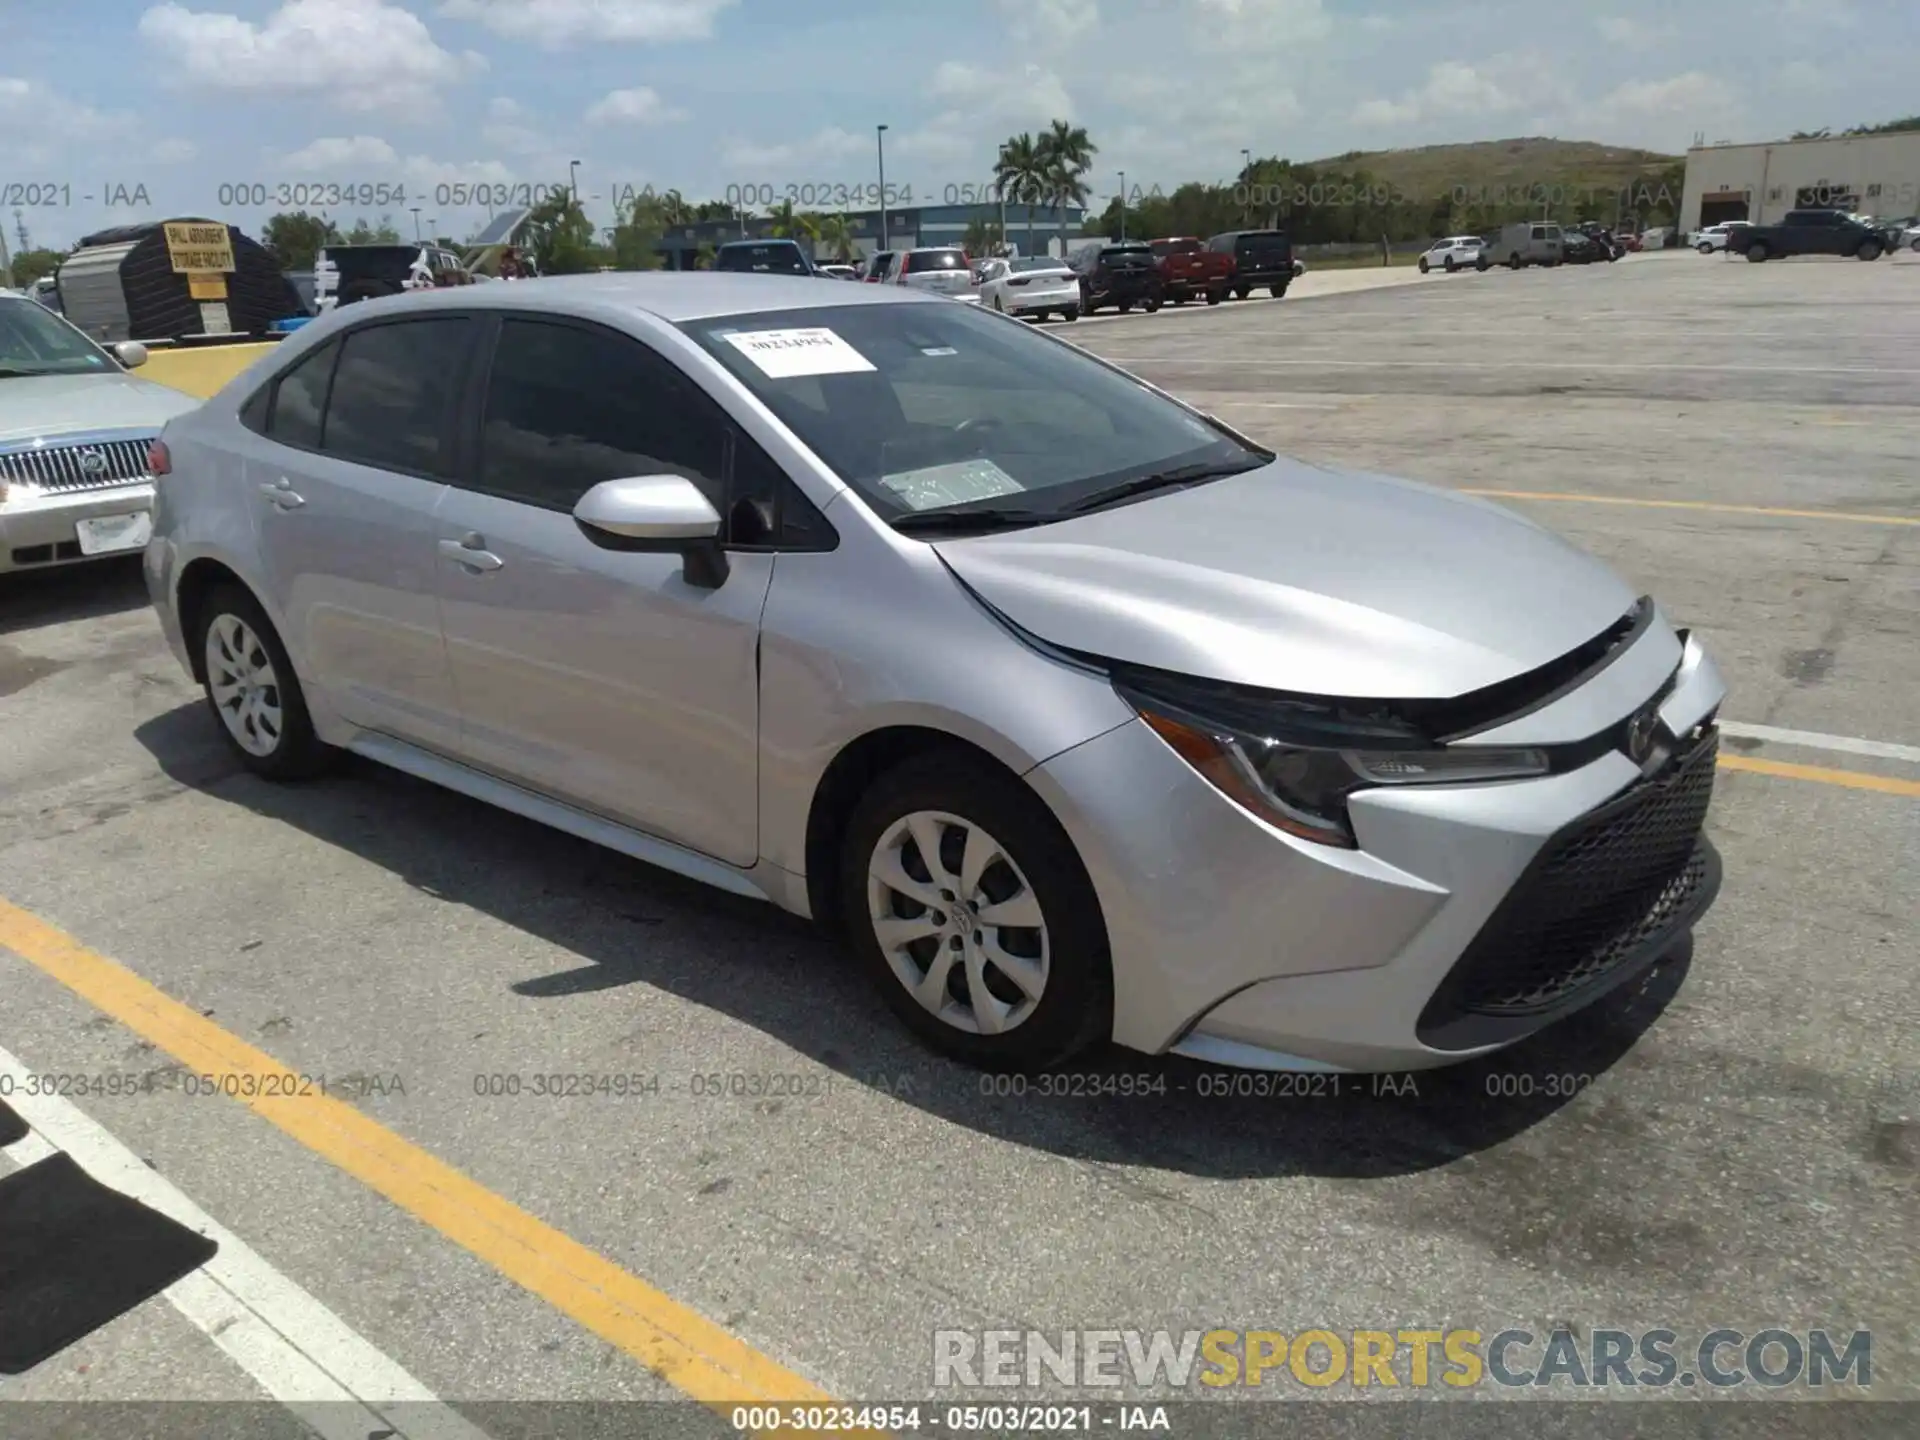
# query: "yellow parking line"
1854, 516
684, 1348
1851, 779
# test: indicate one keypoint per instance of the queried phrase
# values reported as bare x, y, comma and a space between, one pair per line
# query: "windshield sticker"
784, 354
940, 350
955, 484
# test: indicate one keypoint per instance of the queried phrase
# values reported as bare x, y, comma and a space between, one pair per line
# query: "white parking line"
1812, 740
296, 1349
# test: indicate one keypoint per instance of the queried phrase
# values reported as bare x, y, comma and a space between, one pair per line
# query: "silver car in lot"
1079, 714
75, 430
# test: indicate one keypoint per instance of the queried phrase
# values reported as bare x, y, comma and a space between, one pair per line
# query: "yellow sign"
207, 287
199, 249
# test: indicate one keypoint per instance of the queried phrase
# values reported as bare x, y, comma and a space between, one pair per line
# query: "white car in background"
937, 269
1456, 252
1713, 238
1039, 286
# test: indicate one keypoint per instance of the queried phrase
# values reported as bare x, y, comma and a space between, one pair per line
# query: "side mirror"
657, 514
130, 353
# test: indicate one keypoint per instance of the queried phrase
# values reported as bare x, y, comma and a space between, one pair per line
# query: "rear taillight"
159, 462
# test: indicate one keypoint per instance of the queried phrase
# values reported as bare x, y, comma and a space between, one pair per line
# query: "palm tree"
834, 235
1021, 173
1066, 154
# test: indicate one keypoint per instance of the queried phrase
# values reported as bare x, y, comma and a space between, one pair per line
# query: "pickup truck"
1808, 232
1189, 270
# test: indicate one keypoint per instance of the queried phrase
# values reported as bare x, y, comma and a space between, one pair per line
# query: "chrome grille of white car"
61, 469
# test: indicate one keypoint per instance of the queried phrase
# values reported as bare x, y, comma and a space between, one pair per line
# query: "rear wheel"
1151, 304
1449, 265
1070, 313
1279, 292
999, 304
1514, 262
969, 908
1214, 297
1756, 252
1241, 292
1483, 264
1126, 307
1704, 248
252, 690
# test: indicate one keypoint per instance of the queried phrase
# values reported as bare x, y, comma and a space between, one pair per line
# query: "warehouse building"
907, 226
1875, 175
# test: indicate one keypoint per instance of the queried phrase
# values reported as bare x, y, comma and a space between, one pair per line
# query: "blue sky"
185, 97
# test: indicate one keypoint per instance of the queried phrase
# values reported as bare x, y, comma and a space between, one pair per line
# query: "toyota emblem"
1640, 735
92, 462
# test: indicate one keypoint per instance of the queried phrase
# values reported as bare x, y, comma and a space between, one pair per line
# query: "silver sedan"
1081, 716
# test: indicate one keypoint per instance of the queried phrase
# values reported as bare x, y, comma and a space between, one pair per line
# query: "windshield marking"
958, 483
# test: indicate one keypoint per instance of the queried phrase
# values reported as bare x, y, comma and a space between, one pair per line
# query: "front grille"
60, 469
1601, 894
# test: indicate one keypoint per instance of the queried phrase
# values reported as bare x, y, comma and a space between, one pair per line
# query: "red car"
1189, 270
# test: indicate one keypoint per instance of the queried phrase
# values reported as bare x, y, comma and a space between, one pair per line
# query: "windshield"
921, 261
920, 407
34, 341
1039, 262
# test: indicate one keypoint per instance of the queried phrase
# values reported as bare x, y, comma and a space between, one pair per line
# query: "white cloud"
1695, 94
174, 152
822, 147
556, 24
1631, 34
1817, 14
641, 105
1050, 23
337, 152
360, 55
1497, 86
42, 127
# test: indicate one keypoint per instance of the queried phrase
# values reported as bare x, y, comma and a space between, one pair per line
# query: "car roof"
930, 249
759, 244
670, 295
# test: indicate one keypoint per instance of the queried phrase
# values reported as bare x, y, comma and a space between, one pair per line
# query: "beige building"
1869, 174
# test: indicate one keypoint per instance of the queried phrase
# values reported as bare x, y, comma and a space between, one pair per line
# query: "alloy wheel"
958, 922
245, 689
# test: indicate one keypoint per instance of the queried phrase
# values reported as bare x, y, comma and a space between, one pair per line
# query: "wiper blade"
16, 372
1163, 480
926, 522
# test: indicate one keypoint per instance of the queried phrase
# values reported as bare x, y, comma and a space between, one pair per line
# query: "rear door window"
391, 400
299, 399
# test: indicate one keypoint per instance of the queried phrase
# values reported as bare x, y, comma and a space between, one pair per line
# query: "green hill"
1485, 167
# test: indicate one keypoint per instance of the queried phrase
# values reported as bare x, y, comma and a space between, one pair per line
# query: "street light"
573, 179
880, 148
1246, 185
1123, 206
416, 222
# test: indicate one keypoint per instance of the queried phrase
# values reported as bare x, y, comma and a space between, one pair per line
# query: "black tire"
1514, 262
1423, 264
1449, 265
298, 753
1151, 304
1126, 307
1483, 264
1214, 297
1241, 292
1070, 313
1915, 247
1756, 253
1279, 292
366, 290
1704, 248
1075, 1010
999, 305
1869, 250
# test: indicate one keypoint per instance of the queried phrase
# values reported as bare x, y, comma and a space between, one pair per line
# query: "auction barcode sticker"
783, 354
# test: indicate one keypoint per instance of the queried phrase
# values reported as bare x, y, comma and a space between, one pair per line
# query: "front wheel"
1483, 264
1423, 264
1279, 292
1449, 265
968, 906
252, 690
1126, 307
1214, 297
1151, 304
999, 305
1704, 248
1070, 313
1756, 253
1241, 292
1870, 250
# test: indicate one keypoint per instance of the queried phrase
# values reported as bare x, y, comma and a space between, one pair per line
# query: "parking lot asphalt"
1739, 1147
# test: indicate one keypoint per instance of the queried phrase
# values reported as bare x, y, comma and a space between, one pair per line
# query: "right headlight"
1295, 762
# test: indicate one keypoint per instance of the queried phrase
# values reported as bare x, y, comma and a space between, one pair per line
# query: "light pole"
433, 224
573, 179
1246, 184
1123, 206
416, 222
880, 149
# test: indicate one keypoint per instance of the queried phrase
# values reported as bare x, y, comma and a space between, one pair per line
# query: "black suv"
1260, 257
1122, 274
344, 274
765, 257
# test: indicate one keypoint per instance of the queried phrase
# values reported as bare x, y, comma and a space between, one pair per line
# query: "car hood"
1293, 577
32, 406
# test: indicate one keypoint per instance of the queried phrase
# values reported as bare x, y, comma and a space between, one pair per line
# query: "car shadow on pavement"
631, 923
30, 599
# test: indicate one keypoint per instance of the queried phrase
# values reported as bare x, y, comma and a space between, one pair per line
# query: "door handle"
471, 551
281, 493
